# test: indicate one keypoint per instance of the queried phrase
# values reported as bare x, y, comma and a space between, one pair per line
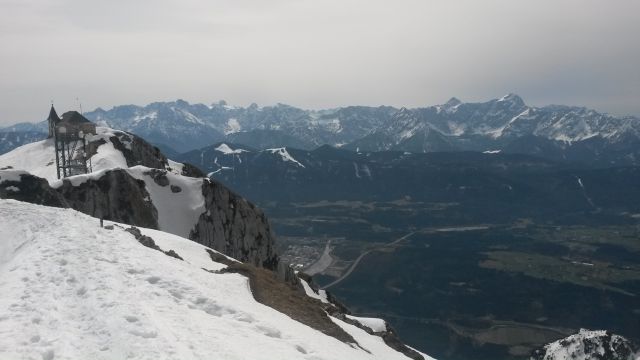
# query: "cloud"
316, 53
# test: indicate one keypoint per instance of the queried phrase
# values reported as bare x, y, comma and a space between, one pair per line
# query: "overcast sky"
316, 53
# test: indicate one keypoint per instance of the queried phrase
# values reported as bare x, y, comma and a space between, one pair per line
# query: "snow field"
72, 290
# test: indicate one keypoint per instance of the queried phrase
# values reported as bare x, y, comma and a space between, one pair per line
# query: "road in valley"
357, 261
322, 263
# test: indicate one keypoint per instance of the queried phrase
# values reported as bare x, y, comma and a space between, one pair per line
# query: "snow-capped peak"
589, 345
454, 101
512, 98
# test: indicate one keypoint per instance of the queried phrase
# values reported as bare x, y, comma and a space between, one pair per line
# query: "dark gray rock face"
235, 227
31, 189
158, 176
115, 196
192, 171
138, 152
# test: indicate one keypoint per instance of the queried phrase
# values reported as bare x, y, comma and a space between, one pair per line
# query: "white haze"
316, 54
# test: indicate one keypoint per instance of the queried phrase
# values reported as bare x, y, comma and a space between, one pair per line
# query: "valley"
467, 289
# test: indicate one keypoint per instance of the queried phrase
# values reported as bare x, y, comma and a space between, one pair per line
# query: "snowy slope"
72, 290
38, 159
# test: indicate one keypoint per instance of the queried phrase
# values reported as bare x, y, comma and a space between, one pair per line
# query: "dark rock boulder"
31, 189
115, 196
192, 171
150, 243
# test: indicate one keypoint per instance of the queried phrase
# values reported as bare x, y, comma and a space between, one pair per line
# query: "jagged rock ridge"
134, 183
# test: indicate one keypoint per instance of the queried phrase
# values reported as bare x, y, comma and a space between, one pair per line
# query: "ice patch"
284, 154
226, 149
320, 295
375, 324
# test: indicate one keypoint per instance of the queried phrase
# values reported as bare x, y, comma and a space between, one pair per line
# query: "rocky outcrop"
589, 345
137, 151
192, 171
115, 196
145, 190
29, 188
229, 224
150, 243
235, 227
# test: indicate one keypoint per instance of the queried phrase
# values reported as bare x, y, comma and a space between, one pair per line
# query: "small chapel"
69, 133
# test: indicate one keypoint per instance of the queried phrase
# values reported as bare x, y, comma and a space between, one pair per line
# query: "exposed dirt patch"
289, 300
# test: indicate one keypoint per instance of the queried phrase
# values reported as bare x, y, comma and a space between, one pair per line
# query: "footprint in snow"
131, 319
144, 334
48, 355
245, 318
270, 332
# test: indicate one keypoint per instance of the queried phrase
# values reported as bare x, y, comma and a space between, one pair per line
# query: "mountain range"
175, 236
514, 185
507, 124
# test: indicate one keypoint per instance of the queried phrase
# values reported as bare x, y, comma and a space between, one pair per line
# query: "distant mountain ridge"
473, 126
523, 185
506, 124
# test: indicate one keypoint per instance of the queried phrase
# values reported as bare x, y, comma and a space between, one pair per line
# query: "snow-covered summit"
589, 345
513, 99
39, 159
70, 289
